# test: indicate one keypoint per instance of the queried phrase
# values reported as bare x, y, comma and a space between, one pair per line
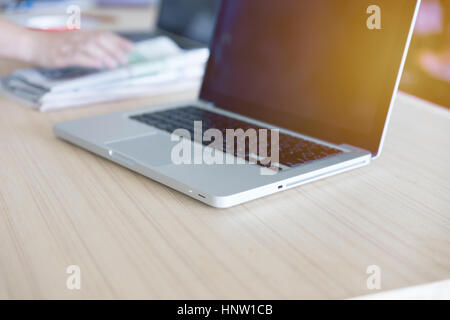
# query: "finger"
124, 43
121, 42
114, 46
83, 59
104, 57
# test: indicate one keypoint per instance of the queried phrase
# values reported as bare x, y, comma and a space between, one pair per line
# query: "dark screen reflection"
313, 63
193, 19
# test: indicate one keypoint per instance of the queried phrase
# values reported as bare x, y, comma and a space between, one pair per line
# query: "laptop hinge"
208, 103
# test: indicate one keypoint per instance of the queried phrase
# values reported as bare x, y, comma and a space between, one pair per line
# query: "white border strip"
431, 291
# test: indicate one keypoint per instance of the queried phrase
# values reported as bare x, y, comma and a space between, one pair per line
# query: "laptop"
189, 23
294, 91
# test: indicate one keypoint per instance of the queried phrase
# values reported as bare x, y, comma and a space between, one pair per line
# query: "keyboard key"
293, 151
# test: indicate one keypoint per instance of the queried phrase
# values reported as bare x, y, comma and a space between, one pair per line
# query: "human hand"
91, 49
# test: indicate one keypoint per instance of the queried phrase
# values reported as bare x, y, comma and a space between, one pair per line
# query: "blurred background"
427, 71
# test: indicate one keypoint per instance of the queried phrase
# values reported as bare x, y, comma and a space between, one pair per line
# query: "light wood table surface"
135, 238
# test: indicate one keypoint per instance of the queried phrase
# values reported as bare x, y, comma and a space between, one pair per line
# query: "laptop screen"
193, 19
324, 68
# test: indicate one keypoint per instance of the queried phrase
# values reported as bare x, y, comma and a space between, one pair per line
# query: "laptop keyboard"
293, 151
66, 73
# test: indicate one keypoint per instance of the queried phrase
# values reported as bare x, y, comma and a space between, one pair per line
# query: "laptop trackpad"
154, 150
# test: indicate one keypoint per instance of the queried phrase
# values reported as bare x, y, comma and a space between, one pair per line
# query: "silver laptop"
294, 91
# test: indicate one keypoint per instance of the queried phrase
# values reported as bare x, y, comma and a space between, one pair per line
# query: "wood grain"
135, 238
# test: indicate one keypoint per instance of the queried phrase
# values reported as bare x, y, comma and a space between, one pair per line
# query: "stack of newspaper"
156, 66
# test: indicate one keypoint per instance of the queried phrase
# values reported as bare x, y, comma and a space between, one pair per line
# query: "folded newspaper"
156, 66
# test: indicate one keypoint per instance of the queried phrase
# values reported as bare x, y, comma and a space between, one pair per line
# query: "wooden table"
135, 238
